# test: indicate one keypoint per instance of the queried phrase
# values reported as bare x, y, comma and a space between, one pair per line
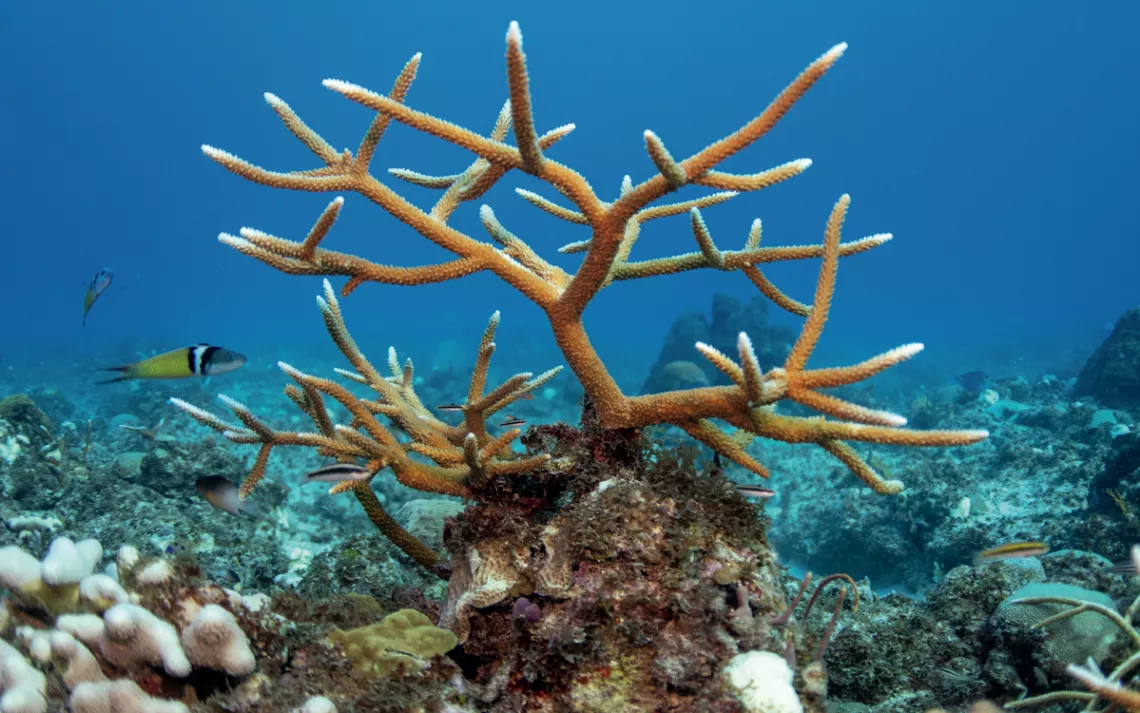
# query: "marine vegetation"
597, 570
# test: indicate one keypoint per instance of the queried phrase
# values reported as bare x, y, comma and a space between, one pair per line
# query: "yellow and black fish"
198, 360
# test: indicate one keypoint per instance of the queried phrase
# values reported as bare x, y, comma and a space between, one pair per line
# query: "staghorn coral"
747, 405
460, 455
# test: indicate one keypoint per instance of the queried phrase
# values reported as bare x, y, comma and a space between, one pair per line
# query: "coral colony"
464, 457
590, 568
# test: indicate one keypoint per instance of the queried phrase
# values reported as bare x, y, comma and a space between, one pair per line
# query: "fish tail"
124, 371
248, 509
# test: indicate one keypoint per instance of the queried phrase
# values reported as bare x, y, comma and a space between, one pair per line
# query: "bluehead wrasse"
338, 473
1012, 550
755, 491
198, 360
223, 495
449, 407
98, 286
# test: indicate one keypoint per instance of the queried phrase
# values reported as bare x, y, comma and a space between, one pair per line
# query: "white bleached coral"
316, 704
214, 640
68, 562
133, 635
37, 523
53, 583
763, 683
126, 559
102, 592
127, 635
88, 628
123, 696
22, 687
156, 572
80, 665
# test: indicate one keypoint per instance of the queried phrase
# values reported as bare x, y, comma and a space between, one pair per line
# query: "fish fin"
123, 371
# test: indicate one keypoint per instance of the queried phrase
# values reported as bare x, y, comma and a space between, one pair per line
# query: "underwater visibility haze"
764, 357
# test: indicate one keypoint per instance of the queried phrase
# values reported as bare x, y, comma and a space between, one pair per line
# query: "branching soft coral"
461, 456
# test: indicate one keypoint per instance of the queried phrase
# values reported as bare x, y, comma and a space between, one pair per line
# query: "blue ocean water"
994, 140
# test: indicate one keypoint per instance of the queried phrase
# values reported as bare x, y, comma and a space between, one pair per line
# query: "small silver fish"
223, 495
449, 407
755, 491
507, 423
1129, 567
338, 473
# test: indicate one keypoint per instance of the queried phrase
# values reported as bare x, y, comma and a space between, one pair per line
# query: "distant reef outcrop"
680, 366
1112, 373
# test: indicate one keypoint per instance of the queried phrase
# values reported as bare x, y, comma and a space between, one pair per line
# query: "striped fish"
338, 473
755, 491
198, 360
1013, 550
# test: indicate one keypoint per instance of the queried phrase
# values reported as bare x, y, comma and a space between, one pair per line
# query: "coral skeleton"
446, 459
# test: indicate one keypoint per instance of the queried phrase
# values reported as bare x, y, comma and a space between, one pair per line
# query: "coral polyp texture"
747, 406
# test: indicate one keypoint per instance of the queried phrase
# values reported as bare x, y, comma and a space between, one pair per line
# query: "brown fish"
338, 473
1012, 550
223, 495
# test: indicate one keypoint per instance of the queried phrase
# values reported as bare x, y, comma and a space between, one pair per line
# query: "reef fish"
755, 491
1130, 567
98, 286
1012, 550
973, 381
338, 473
223, 495
198, 360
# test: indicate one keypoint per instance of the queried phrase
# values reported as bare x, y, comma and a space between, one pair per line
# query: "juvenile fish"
338, 473
513, 421
755, 491
449, 407
1012, 550
98, 286
198, 360
223, 495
